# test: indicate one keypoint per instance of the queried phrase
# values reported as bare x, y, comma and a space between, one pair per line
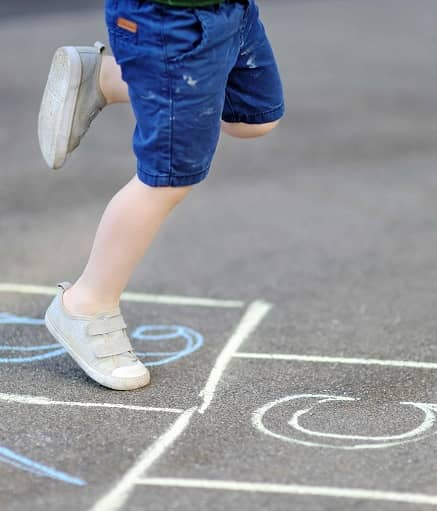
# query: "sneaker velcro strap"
106, 325
110, 347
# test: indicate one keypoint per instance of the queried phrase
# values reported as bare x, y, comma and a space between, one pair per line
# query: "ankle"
78, 301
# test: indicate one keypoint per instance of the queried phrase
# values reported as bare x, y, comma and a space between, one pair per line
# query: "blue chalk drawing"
26, 464
169, 337
173, 342
49, 350
171, 334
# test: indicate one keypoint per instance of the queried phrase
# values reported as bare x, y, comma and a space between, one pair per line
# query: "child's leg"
177, 92
86, 318
111, 84
129, 223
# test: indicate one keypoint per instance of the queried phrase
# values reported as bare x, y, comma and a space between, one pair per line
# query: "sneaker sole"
58, 104
107, 381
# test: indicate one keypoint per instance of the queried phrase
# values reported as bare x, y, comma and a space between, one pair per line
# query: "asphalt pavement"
43, 7
287, 309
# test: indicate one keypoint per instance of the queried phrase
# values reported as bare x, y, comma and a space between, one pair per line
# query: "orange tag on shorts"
131, 26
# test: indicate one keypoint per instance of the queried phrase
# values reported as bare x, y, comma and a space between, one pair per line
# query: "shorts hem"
170, 180
256, 118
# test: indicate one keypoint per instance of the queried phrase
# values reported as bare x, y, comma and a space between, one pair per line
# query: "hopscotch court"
276, 421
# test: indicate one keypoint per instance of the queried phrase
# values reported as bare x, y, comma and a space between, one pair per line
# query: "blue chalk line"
143, 333
193, 341
28, 465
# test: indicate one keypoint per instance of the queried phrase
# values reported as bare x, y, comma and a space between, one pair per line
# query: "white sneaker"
72, 99
98, 343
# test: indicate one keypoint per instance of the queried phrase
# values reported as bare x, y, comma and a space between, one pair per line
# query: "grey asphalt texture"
332, 219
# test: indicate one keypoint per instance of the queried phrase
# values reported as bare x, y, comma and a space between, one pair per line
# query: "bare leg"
129, 223
242, 130
111, 83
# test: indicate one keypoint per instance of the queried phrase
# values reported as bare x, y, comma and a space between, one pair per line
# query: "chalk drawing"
41, 352
22, 463
119, 493
45, 401
337, 360
166, 335
253, 316
170, 337
297, 406
128, 296
292, 489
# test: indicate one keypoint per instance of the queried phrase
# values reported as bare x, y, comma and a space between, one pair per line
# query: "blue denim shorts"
186, 69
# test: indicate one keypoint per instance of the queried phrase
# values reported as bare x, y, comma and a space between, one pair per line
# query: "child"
189, 69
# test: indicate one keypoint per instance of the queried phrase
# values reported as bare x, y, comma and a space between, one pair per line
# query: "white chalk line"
44, 401
130, 296
292, 489
426, 424
116, 497
308, 402
248, 323
337, 360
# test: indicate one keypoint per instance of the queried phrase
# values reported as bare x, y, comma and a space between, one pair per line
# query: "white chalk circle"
297, 406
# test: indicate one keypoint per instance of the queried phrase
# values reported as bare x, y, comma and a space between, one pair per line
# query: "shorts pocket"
185, 33
122, 29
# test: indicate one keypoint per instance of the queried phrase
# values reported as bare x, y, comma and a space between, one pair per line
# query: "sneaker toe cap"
131, 371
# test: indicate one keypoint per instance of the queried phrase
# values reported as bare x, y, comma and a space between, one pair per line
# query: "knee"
177, 193
171, 195
243, 130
